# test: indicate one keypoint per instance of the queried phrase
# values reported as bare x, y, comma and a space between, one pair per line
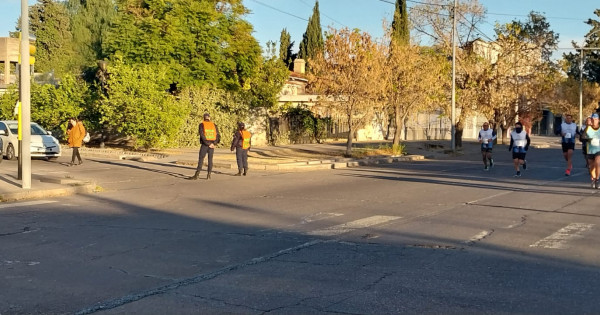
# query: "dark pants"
203, 150
75, 154
241, 157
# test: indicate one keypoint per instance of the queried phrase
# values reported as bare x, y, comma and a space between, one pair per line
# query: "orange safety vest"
246, 135
210, 131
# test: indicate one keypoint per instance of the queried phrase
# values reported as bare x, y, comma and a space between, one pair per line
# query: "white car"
43, 144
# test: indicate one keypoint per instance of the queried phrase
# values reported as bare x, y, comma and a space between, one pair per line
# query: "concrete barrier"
47, 193
337, 165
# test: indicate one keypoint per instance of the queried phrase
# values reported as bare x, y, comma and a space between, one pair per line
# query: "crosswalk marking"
559, 239
26, 203
350, 226
320, 216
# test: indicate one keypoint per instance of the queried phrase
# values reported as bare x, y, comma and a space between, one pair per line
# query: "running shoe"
491, 163
597, 184
568, 172
524, 165
594, 184
486, 168
518, 174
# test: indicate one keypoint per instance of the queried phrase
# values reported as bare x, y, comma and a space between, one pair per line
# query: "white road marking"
350, 226
479, 237
559, 239
307, 219
319, 216
26, 203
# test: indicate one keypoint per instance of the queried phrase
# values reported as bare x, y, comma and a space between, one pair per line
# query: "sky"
566, 17
269, 17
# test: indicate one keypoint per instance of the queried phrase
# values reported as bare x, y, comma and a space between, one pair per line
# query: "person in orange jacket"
209, 137
242, 140
75, 133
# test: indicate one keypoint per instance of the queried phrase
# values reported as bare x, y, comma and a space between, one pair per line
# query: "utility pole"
25, 97
453, 112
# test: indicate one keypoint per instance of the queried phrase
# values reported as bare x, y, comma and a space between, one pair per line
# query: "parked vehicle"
43, 144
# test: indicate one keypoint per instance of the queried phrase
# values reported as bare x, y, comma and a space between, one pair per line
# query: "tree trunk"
350, 136
389, 125
504, 134
459, 128
399, 125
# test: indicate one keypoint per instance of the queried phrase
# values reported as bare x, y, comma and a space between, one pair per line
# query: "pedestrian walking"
568, 131
486, 138
209, 137
592, 135
75, 135
242, 141
519, 144
583, 139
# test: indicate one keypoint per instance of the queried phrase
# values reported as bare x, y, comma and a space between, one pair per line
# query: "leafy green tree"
8, 100
50, 24
200, 41
285, 47
312, 41
225, 107
400, 31
138, 105
591, 61
52, 105
90, 22
266, 86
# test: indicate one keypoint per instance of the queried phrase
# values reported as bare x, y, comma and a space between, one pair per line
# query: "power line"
474, 27
325, 15
488, 13
290, 14
548, 17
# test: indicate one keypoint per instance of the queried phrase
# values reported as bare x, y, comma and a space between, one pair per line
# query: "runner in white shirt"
568, 131
519, 144
486, 138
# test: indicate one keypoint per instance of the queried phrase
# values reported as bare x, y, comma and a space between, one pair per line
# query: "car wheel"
10, 152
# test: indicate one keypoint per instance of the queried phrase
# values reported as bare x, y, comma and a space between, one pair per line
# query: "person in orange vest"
242, 140
75, 133
209, 137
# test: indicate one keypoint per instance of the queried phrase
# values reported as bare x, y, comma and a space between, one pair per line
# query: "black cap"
206, 115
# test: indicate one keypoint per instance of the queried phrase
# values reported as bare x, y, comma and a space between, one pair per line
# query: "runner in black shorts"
519, 144
486, 138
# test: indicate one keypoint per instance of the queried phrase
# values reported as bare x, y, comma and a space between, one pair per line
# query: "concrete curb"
312, 165
71, 189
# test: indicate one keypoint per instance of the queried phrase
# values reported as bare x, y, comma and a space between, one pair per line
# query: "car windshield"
35, 129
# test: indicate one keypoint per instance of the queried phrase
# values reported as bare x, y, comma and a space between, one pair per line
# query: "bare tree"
349, 77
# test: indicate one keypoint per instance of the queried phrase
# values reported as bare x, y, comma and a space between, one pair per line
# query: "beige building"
9, 56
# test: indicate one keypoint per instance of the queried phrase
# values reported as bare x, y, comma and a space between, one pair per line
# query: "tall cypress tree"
285, 47
312, 40
400, 31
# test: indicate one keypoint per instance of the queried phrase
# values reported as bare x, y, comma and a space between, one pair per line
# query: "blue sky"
565, 17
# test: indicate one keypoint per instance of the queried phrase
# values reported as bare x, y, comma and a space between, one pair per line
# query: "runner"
568, 131
486, 138
592, 134
519, 144
582, 138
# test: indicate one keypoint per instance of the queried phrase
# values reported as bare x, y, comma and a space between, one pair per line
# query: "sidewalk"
58, 180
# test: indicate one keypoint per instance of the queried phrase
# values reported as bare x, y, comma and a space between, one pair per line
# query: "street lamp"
581, 49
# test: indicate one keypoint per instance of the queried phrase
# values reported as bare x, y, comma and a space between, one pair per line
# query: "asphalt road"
430, 237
